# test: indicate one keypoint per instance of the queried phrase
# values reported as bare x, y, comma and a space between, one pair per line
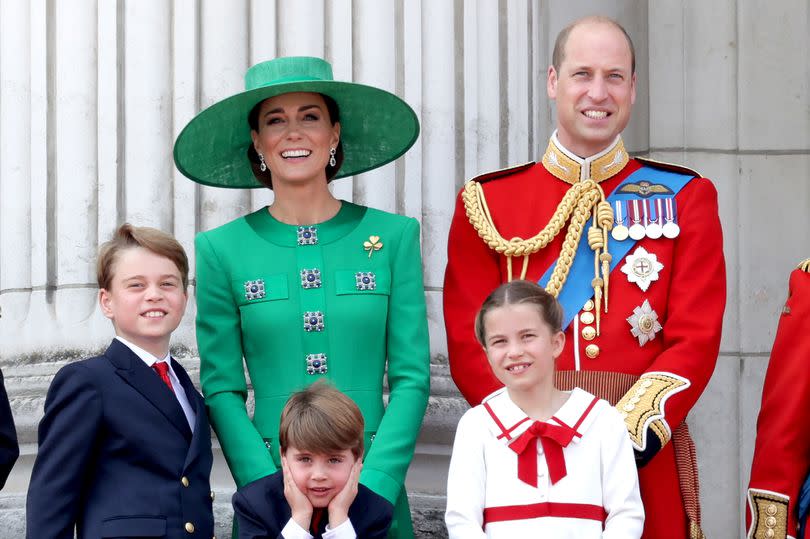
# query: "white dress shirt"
179, 392
344, 531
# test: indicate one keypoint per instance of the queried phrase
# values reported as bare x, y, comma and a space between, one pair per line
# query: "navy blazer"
117, 457
262, 511
9, 449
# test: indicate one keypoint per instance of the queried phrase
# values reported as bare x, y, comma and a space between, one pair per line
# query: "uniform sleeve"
9, 449
67, 442
692, 327
408, 372
782, 449
472, 273
222, 371
621, 497
466, 482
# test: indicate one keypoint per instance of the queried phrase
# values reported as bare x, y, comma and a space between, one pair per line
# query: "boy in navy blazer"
316, 493
124, 445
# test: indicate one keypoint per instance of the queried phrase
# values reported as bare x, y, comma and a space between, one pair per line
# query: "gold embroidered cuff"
769, 514
643, 406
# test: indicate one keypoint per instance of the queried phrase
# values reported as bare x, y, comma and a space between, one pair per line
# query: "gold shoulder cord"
583, 200
804, 265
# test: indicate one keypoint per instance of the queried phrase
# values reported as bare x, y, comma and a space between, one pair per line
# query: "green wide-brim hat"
376, 126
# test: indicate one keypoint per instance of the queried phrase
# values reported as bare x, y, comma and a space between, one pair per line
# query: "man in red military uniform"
632, 249
782, 451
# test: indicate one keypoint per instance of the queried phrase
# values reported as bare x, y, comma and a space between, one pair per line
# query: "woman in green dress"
309, 287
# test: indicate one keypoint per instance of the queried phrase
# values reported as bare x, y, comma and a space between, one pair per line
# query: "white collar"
147, 358
508, 421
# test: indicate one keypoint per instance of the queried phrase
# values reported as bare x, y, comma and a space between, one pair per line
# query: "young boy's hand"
300, 507
339, 506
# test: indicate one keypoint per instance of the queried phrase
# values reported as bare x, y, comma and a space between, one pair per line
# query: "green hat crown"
376, 125
287, 69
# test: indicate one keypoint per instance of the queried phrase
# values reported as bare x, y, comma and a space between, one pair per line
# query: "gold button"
771, 509
640, 391
588, 333
592, 351
770, 522
212, 497
184, 480
189, 527
588, 305
770, 533
587, 317
634, 400
629, 407
646, 383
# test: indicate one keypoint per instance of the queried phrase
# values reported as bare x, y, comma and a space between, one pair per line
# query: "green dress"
334, 300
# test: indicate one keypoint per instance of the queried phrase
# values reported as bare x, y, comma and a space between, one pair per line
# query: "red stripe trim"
505, 433
508, 432
586, 412
563, 424
546, 509
497, 421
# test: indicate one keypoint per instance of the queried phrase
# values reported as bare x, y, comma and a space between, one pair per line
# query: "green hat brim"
376, 128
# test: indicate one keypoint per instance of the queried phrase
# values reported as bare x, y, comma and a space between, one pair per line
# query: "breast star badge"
642, 268
644, 323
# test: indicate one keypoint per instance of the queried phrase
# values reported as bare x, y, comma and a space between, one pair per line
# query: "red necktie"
162, 368
553, 439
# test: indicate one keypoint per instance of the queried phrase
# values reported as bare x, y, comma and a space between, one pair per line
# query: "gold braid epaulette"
582, 200
804, 266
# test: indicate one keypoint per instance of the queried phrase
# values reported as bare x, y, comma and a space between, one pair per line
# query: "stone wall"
93, 93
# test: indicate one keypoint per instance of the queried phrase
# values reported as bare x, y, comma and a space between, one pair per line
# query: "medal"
619, 231
653, 229
644, 323
642, 268
671, 228
637, 230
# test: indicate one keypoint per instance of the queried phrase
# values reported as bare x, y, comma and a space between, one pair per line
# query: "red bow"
553, 439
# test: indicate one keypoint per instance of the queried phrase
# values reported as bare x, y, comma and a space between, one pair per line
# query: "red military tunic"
688, 297
782, 450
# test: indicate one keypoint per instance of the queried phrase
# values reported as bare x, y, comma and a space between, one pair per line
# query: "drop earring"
332, 161
262, 164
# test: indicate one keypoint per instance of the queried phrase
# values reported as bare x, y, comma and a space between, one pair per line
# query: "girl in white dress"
531, 460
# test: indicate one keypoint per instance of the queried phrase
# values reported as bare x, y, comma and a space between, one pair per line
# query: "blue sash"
577, 289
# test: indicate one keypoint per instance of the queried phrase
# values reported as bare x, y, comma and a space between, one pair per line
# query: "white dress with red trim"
581, 484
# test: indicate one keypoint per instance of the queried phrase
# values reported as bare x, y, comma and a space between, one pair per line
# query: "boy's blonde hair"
322, 420
520, 292
151, 239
